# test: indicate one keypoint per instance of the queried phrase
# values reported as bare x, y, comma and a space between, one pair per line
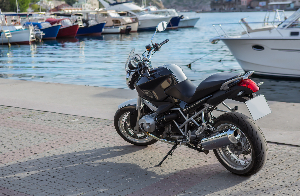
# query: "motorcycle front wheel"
249, 154
123, 121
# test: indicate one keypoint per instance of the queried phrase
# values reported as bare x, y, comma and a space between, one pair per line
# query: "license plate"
258, 107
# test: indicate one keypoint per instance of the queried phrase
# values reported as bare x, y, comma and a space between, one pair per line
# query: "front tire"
123, 124
249, 155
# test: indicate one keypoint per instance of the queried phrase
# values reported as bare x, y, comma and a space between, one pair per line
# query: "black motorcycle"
171, 109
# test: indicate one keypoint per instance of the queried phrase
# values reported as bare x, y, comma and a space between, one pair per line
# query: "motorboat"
49, 31
67, 29
116, 23
146, 20
174, 22
177, 21
13, 33
267, 51
91, 28
87, 25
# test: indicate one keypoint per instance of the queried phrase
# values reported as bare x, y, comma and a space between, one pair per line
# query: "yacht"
147, 21
178, 21
271, 51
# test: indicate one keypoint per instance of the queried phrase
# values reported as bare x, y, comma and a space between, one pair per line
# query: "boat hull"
188, 22
18, 37
174, 22
91, 30
149, 24
70, 31
111, 30
134, 26
51, 32
267, 57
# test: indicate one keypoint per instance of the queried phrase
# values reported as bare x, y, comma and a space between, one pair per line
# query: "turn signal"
249, 84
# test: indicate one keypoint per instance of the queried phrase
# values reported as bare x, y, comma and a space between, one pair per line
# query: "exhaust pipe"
220, 140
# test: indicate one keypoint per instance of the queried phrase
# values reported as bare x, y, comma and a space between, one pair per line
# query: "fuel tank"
152, 87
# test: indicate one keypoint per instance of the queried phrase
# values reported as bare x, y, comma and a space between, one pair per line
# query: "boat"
87, 25
174, 22
67, 29
267, 51
147, 21
178, 21
13, 33
188, 22
49, 31
91, 29
116, 23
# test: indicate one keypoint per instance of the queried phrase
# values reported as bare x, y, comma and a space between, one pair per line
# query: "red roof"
60, 7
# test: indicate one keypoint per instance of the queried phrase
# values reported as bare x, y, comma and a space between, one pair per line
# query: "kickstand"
169, 153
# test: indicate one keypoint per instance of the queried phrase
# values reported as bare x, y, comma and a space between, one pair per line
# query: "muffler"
217, 141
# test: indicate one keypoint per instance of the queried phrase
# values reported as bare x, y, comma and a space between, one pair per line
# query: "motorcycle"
169, 108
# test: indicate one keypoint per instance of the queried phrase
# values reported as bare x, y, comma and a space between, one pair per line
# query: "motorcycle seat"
189, 93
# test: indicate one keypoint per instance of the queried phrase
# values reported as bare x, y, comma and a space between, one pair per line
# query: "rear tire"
124, 128
249, 155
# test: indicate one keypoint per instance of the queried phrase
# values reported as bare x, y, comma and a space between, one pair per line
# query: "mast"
17, 6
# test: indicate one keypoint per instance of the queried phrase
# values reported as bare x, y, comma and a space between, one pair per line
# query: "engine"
147, 123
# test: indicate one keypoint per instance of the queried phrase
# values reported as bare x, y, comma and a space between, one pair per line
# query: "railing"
245, 27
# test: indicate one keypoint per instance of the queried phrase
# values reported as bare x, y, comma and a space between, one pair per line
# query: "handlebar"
157, 46
164, 42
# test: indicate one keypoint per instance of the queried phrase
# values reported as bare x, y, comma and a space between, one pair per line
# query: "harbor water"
99, 61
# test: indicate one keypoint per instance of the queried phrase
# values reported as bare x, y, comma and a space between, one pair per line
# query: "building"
47, 5
87, 4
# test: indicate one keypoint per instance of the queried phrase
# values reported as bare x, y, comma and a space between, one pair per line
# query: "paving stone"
45, 153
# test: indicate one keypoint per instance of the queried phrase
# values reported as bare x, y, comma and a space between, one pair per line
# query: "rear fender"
232, 93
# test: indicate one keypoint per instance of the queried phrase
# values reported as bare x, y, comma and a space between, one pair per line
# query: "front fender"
131, 102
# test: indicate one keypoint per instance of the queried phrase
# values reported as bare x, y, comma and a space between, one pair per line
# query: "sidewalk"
280, 126
49, 146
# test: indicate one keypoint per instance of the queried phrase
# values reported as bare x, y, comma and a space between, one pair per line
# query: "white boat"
14, 33
114, 22
184, 21
268, 51
146, 21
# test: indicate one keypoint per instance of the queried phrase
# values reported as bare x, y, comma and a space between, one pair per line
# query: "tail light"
249, 84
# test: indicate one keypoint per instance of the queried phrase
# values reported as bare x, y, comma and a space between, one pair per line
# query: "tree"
23, 5
36, 8
5, 5
71, 2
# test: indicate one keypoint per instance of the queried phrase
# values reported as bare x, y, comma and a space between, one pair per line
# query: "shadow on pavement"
105, 171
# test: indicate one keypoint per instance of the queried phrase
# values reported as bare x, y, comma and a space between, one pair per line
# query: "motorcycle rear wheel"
249, 155
125, 129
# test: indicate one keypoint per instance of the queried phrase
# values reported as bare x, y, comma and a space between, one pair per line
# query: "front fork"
138, 108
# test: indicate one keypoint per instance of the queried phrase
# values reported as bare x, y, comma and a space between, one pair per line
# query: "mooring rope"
190, 64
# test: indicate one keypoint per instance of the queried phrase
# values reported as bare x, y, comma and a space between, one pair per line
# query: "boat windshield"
291, 21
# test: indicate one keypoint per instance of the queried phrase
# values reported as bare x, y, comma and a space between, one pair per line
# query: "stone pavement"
49, 153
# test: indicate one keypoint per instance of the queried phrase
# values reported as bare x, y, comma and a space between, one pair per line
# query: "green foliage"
36, 8
5, 5
23, 5
34, 2
70, 2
